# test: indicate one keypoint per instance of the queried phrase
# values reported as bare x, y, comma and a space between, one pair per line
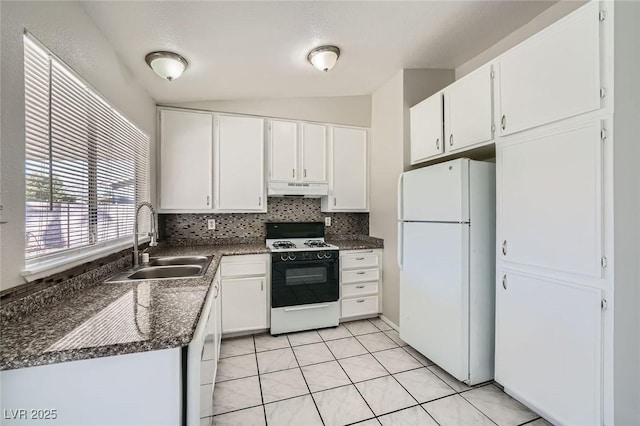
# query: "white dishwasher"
202, 358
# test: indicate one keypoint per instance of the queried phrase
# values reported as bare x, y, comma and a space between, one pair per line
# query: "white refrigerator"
446, 254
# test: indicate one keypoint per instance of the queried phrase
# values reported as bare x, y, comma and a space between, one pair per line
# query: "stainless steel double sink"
168, 267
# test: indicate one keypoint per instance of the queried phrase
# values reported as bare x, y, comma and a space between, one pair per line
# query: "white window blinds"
86, 165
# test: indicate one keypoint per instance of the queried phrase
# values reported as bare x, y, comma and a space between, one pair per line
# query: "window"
86, 165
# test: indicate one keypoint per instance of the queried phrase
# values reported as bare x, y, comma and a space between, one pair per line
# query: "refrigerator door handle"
400, 197
399, 252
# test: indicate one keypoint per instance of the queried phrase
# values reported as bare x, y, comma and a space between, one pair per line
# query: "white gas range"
304, 277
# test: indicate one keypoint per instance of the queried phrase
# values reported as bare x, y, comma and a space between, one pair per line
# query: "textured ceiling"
241, 50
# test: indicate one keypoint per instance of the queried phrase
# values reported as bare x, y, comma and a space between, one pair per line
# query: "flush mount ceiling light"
324, 57
167, 65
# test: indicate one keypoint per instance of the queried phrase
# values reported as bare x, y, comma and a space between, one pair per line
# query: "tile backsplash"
193, 227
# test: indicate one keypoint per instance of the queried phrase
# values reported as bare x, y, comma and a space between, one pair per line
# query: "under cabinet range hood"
297, 189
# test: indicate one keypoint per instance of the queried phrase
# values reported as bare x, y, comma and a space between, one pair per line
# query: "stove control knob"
319, 254
292, 256
327, 254
306, 255
283, 256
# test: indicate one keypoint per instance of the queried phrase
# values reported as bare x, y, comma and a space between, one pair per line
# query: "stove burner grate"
283, 244
315, 243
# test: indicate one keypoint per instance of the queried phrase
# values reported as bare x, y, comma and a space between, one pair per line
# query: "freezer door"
434, 293
438, 193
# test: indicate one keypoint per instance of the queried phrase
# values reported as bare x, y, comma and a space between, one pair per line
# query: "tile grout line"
305, 380
478, 408
255, 354
354, 385
405, 389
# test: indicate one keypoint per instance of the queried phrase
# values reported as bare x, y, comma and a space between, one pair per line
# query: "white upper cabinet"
349, 157
186, 156
240, 164
426, 129
553, 75
297, 152
314, 152
468, 110
550, 202
283, 151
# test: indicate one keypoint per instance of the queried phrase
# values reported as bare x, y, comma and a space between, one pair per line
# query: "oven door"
303, 282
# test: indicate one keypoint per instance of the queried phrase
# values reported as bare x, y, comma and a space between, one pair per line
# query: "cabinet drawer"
243, 269
360, 260
353, 290
358, 276
359, 306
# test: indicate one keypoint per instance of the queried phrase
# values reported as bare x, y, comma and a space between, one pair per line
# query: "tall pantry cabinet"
565, 261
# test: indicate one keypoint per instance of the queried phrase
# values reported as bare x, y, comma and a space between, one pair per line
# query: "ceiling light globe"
324, 58
167, 65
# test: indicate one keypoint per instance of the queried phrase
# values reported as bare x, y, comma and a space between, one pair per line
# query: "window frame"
93, 249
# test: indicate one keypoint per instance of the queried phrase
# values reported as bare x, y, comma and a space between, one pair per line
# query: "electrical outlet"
327, 221
211, 224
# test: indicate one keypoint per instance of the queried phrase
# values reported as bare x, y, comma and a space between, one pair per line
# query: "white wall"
389, 155
69, 33
349, 110
543, 20
387, 118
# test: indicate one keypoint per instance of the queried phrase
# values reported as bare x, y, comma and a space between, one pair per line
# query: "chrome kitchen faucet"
153, 234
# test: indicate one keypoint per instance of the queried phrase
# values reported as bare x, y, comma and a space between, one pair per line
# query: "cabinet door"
468, 114
553, 75
186, 156
283, 150
550, 200
314, 152
240, 164
548, 346
350, 170
244, 304
426, 129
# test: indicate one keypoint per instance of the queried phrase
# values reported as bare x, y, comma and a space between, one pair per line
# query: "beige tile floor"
358, 373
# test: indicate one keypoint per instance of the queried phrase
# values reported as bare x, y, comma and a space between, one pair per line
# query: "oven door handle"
304, 308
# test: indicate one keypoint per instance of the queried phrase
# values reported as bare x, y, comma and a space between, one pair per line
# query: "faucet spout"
153, 234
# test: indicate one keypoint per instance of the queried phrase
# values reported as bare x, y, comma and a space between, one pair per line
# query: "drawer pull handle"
360, 273
359, 258
359, 286
360, 301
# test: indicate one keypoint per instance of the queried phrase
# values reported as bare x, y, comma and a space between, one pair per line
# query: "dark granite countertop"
115, 318
364, 242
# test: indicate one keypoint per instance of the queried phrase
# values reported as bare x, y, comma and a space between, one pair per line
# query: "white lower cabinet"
548, 346
244, 281
143, 388
360, 276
